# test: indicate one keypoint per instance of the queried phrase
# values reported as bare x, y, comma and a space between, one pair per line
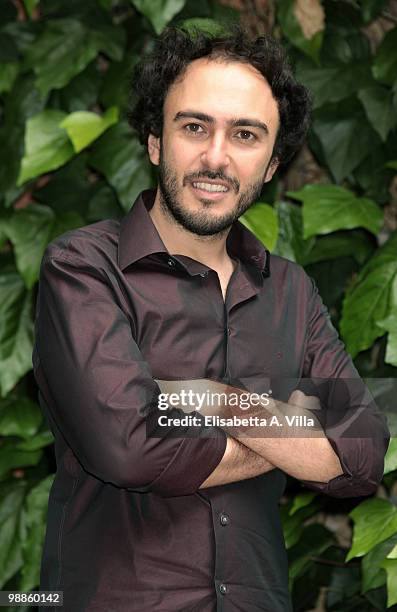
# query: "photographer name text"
235, 421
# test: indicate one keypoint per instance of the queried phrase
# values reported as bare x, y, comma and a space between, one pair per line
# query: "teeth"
210, 187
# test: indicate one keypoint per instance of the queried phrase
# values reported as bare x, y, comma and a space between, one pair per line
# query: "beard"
201, 222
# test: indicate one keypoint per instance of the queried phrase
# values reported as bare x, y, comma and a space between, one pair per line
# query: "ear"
271, 169
153, 145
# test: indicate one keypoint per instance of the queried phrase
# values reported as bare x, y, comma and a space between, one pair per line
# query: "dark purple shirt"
128, 528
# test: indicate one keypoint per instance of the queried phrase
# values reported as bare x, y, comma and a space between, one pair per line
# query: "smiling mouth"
210, 187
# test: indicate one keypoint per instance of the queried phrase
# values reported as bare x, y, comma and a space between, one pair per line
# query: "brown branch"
26, 197
334, 563
22, 12
388, 16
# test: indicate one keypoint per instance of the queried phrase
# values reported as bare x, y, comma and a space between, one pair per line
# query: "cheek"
186, 156
185, 152
253, 170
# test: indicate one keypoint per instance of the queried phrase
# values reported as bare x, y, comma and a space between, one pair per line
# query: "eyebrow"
240, 122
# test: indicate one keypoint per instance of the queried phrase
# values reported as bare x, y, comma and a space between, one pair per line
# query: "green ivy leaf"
209, 26
393, 553
380, 110
16, 329
57, 193
390, 565
23, 101
106, 4
67, 46
372, 176
47, 145
19, 416
8, 74
261, 219
384, 66
159, 12
367, 301
30, 230
115, 87
389, 324
11, 500
83, 90
30, 5
292, 527
11, 151
375, 520
287, 17
344, 42
23, 33
8, 47
84, 127
346, 138
293, 524
290, 241
315, 540
327, 208
373, 576
343, 586
103, 204
333, 83
123, 161
40, 440
35, 510
391, 457
301, 500
11, 458
340, 244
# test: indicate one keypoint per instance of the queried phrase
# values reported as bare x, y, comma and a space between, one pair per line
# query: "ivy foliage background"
68, 158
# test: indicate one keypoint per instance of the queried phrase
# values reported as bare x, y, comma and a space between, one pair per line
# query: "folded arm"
343, 454
99, 389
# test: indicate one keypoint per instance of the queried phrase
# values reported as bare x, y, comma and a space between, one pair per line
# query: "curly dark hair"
176, 48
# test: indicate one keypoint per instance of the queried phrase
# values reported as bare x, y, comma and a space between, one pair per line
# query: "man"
179, 290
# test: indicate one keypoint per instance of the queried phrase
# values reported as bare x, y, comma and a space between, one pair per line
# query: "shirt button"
224, 519
223, 589
203, 274
229, 331
171, 262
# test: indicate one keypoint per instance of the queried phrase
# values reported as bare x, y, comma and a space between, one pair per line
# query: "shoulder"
94, 244
285, 272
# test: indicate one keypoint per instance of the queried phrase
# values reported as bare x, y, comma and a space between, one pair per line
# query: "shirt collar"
140, 238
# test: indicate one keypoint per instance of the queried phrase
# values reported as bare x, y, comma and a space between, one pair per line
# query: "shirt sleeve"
100, 390
355, 427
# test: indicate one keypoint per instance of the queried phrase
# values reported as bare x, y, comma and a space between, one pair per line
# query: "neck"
209, 250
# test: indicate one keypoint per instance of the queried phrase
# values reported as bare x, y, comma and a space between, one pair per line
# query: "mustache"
194, 176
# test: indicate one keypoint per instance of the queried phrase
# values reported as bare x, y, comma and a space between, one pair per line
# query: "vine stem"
334, 563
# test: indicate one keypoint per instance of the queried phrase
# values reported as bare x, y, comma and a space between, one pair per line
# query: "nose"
215, 153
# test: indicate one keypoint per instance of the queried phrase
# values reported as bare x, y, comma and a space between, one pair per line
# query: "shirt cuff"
362, 461
195, 459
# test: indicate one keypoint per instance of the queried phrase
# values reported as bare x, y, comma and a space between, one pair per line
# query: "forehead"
223, 90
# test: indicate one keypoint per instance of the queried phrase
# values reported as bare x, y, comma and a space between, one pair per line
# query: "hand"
310, 402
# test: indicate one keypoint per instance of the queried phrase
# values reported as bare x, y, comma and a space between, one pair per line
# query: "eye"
246, 135
193, 128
